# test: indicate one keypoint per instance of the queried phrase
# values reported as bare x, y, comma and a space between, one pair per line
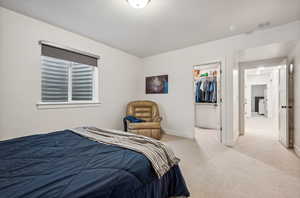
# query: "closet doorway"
207, 100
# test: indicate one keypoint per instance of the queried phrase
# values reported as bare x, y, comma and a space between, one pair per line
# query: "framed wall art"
157, 84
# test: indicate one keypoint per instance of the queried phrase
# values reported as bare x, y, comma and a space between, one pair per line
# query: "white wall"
122, 78
250, 80
295, 56
177, 106
20, 79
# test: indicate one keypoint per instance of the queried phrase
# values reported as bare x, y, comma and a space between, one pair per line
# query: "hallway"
261, 126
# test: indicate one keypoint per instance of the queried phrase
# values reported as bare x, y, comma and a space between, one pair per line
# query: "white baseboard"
235, 139
231, 142
177, 133
297, 150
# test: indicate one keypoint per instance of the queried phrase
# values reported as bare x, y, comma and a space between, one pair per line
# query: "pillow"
134, 119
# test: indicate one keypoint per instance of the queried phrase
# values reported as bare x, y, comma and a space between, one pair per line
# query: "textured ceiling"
163, 25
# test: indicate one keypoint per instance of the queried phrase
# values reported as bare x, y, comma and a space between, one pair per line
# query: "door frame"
290, 103
242, 66
220, 98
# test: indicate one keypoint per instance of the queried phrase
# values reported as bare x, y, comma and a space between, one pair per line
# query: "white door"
267, 101
283, 108
247, 97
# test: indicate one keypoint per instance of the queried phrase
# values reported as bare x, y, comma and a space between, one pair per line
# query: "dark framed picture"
157, 84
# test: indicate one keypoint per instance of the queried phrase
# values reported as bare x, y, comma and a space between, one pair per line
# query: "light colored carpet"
252, 169
261, 124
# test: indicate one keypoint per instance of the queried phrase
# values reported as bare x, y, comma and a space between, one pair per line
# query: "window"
67, 77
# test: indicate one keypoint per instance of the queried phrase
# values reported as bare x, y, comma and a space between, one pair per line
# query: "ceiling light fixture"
138, 3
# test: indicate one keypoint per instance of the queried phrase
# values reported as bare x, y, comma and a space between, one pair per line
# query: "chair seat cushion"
144, 125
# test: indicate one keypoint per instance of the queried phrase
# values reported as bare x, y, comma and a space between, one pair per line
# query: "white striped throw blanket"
161, 157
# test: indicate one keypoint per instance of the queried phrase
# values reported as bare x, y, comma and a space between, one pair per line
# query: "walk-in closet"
207, 83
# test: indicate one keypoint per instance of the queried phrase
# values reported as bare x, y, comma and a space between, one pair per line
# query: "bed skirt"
171, 185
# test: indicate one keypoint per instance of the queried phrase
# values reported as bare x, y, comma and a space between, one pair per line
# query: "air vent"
263, 25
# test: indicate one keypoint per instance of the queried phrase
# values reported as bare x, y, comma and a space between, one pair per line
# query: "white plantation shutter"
54, 80
82, 82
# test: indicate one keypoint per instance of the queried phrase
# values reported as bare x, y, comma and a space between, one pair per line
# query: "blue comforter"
64, 164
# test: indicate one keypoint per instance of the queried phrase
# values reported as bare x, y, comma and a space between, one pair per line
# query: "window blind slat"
54, 80
82, 82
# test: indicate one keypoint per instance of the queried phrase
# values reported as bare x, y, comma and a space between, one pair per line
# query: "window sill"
64, 105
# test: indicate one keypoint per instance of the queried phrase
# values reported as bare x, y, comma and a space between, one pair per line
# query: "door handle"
286, 107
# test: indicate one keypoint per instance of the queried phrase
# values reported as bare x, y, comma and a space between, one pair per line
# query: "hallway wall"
295, 56
270, 79
251, 86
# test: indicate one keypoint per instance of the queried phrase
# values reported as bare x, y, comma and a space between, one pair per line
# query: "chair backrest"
143, 109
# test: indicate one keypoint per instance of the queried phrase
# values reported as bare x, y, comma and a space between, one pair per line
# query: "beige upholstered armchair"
148, 111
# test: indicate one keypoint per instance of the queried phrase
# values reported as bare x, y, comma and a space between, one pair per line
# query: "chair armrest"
157, 119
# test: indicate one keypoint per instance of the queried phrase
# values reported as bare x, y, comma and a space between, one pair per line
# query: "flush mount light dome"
138, 3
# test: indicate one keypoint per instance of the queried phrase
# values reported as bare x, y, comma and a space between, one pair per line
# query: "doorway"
265, 105
264, 89
282, 56
207, 99
261, 101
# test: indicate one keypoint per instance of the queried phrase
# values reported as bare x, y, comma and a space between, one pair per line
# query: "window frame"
71, 103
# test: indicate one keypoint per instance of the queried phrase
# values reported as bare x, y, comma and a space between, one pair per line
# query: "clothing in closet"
206, 90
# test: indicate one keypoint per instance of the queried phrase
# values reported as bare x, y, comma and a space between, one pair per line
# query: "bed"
65, 164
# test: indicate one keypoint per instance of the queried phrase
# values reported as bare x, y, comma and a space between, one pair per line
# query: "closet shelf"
208, 104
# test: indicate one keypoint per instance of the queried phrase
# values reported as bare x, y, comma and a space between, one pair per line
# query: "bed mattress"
65, 164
